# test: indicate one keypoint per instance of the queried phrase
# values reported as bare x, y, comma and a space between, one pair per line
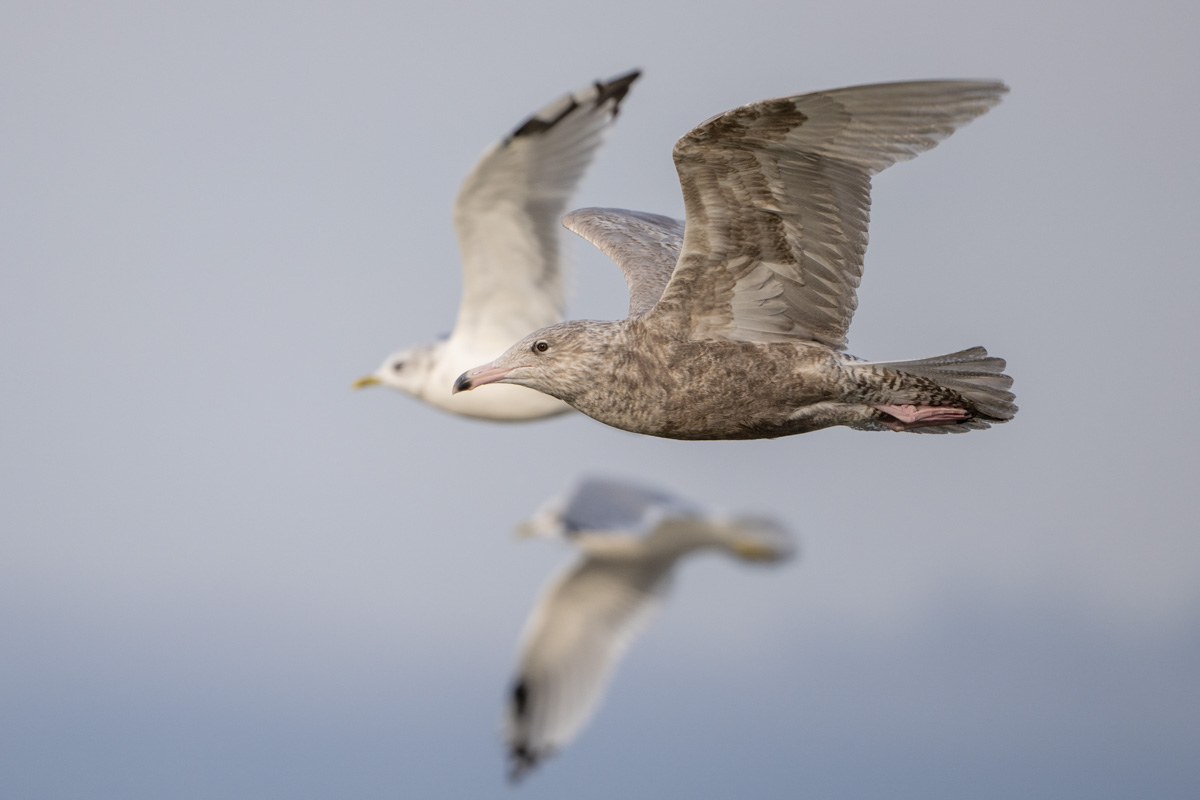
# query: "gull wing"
777, 195
507, 213
604, 505
645, 246
573, 640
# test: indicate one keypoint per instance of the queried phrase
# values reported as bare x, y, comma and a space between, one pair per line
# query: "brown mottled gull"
741, 336
507, 220
631, 537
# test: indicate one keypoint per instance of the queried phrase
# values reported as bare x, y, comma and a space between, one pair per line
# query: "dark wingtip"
521, 757
536, 124
616, 89
520, 760
613, 90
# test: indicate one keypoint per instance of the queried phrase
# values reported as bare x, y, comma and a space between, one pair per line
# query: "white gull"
631, 537
506, 217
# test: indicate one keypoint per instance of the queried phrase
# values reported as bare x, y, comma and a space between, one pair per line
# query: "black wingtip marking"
616, 89
520, 760
520, 699
536, 124
613, 90
521, 756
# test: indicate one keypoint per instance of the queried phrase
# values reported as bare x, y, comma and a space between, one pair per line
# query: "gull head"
404, 370
560, 360
546, 523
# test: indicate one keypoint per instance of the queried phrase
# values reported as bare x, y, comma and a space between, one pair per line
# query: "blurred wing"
508, 209
645, 247
606, 504
778, 197
574, 638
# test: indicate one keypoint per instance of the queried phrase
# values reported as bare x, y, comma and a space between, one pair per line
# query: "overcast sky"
225, 574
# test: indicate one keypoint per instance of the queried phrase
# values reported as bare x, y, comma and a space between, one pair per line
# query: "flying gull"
507, 220
737, 319
631, 537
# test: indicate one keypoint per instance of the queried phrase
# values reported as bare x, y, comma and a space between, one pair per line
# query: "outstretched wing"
508, 209
573, 640
777, 195
604, 505
645, 247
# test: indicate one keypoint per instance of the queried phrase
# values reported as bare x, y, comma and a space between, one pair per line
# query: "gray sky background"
225, 574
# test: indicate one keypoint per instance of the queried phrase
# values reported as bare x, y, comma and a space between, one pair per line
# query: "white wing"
574, 638
508, 210
778, 197
645, 247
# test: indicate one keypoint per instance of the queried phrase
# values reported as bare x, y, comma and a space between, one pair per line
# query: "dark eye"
399, 365
541, 346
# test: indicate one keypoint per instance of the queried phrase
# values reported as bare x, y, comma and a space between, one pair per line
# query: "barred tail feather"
972, 373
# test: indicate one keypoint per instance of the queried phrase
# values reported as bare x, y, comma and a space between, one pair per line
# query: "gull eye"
541, 346
399, 365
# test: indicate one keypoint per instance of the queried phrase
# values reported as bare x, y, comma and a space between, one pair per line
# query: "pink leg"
909, 417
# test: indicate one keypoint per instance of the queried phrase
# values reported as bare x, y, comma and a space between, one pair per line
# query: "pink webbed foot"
909, 417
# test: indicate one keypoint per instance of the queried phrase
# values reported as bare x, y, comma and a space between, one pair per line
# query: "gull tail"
753, 538
972, 373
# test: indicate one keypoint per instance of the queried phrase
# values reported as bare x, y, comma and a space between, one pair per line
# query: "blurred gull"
631, 536
738, 319
507, 220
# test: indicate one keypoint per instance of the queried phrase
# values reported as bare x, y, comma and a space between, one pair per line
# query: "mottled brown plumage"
743, 340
